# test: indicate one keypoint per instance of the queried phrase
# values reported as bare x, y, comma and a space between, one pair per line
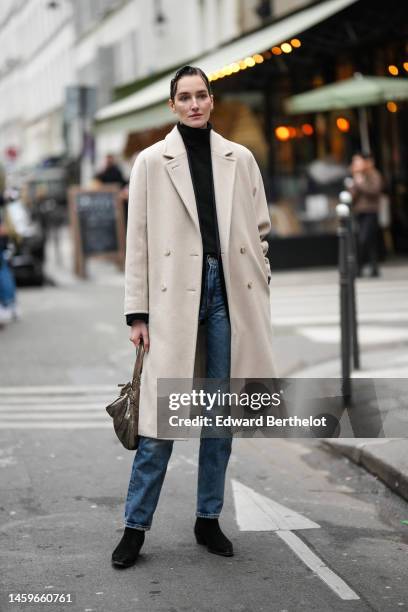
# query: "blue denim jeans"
152, 456
7, 283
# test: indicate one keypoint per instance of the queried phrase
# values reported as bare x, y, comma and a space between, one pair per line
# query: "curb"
387, 459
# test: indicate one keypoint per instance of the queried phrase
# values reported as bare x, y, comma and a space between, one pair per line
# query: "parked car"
26, 244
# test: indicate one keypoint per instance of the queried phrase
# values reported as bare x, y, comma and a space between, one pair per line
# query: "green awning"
153, 116
147, 108
357, 91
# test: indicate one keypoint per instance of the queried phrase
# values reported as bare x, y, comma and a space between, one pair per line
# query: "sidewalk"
384, 355
59, 267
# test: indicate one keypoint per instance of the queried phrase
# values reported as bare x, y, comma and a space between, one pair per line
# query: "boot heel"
199, 540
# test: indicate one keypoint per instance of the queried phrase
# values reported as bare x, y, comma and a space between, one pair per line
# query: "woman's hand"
139, 332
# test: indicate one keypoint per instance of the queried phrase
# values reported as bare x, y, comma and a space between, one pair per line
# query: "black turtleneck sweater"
197, 143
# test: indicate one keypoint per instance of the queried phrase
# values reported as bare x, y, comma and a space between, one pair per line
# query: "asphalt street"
311, 530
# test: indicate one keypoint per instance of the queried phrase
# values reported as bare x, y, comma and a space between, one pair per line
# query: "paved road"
61, 515
290, 506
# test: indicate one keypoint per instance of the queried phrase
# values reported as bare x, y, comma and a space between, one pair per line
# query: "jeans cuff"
136, 526
203, 515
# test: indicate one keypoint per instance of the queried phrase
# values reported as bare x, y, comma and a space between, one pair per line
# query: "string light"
307, 129
405, 64
257, 58
286, 48
393, 70
392, 107
282, 133
343, 124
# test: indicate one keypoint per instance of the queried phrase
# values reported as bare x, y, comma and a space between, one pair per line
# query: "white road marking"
63, 425
56, 407
255, 512
58, 389
32, 407
333, 319
367, 334
38, 416
309, 558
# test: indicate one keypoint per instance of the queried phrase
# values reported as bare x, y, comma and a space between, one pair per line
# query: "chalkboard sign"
98, 225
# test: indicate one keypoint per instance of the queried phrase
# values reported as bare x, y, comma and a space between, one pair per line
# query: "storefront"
303, 158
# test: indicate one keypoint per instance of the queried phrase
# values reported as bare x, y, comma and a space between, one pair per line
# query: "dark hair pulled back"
188, 71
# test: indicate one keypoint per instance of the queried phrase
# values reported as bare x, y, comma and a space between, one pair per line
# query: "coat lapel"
179, 172
223, 167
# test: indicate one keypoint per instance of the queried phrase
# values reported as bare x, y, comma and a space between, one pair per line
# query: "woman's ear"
171, 105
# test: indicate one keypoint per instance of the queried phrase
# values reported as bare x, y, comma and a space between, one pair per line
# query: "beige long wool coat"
164, 263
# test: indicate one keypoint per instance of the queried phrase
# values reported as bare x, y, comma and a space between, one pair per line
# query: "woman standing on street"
197, 293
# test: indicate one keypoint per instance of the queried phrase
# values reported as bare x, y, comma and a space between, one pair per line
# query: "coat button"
163, 287
242, 249
167, 252
250, 285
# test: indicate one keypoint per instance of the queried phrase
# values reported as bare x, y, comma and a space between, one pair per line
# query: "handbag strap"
137, 371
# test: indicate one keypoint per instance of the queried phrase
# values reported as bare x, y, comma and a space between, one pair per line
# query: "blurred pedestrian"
197, 294
111, 174
8, 304
366, 186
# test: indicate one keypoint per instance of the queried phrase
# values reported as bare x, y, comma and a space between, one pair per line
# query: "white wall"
109, 32
47, 74
41, 42
142, 47
41, 56
281, 7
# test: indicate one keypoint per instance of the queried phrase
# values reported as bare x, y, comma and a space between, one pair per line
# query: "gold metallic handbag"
125, 409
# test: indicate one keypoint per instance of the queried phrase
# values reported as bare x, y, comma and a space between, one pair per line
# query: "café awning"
358, 92
351, 93
146, 108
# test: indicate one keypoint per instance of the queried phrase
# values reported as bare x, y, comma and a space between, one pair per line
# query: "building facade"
36, 65
50, 45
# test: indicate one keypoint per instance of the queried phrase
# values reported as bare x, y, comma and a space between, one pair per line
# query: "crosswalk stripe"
62, 425
85, 414
52, 407
56, 407
47, 398
367, 317
59, 389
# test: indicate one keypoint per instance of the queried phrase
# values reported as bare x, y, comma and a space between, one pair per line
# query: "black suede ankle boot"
208, 532
127, 551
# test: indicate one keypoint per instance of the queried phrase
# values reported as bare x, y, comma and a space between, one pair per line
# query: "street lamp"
159, 18
263, 9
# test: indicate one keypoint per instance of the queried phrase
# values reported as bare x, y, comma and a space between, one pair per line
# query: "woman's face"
192, 102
